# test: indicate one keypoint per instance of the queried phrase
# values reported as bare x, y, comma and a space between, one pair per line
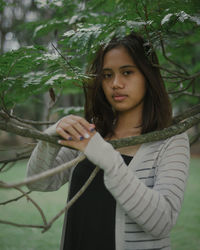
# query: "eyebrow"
122, 67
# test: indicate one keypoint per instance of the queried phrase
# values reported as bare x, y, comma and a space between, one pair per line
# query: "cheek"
143, 88
140, 87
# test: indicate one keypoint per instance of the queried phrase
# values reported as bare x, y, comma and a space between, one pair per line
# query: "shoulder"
176, 143
176, 147
177, 140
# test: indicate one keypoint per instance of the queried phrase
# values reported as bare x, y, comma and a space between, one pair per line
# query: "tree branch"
2, 169
34, 203
191, 94
45, 174
124, 142
165, 55
21, 225
15, 199
30, 122
74, 199
7, 125
182, 90
46, 225
177, 74
187, 113
194, 138
14, 159
158, 135
11, 127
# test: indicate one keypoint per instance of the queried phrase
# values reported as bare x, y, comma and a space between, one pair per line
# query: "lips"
119, 97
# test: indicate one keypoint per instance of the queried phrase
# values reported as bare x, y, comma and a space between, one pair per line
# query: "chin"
121, 109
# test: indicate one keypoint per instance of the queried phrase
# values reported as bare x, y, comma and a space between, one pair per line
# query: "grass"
185, 235
14, 238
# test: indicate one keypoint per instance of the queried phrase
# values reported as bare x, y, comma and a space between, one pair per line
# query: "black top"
91, 219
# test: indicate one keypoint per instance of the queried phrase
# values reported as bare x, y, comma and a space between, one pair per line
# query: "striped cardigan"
149, 192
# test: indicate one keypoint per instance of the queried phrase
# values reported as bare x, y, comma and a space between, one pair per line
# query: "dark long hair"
157, 108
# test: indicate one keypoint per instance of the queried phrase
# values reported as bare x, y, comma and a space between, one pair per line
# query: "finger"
63, 134
70, 129
88, 126
81, 130
92, 127
67, 143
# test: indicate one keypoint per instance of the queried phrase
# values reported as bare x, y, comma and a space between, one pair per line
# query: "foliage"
29, 70
82, 26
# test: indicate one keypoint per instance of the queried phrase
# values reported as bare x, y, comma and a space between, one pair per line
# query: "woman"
135, 199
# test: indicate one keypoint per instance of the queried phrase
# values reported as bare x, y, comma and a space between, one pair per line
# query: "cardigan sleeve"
46, 156
156, 209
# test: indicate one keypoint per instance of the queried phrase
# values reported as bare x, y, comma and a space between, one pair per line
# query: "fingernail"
70, 138
59, 141
92, 129
81, 138
86, 136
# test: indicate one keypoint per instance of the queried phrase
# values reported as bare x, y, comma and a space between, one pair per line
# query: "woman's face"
123, 83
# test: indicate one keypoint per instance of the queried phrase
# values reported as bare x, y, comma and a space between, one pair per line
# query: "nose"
117, 82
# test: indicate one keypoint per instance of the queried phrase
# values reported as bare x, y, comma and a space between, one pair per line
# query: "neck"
129, 123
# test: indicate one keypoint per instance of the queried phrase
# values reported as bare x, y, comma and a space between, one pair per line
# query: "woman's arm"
155, 210
46, 156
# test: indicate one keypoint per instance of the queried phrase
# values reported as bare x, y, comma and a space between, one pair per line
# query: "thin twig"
178, 74
3, 114
45, 174
3, 103
4, 165
35, 204
32, 122
2, 169
24, 147
21, 225
74, 199
191, 94
15, 199
165, 55
69, 204
68, 63
14, 159
181, 90
194, 138
187, 113
65, 59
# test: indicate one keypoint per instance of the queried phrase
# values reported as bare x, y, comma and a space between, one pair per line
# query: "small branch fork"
15, 199
46, 225
25, 194
74, 199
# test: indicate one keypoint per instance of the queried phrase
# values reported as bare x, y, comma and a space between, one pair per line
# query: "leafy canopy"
78, 28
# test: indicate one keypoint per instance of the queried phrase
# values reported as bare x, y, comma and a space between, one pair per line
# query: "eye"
107, 75
127, 72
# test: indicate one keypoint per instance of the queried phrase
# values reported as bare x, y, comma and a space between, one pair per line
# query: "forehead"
117, 57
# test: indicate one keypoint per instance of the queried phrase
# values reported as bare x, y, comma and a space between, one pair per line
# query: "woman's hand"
76, 132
